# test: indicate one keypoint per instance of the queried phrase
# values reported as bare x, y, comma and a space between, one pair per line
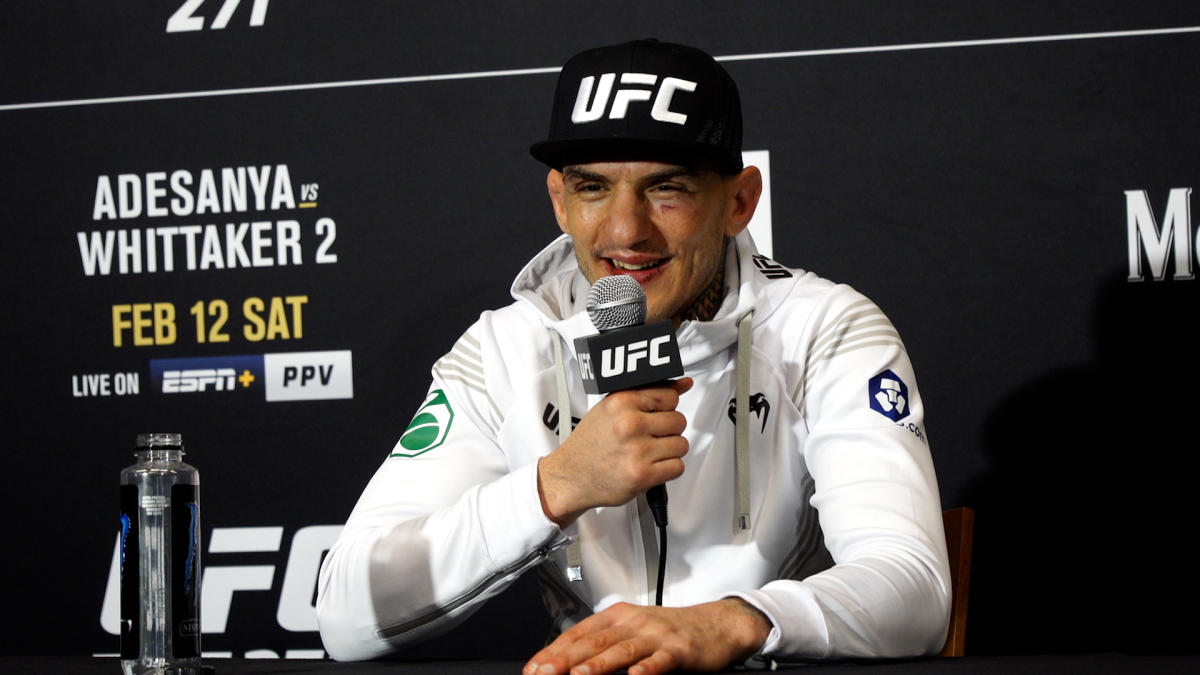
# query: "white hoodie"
843, 549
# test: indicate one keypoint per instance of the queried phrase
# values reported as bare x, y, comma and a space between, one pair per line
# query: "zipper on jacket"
537, 555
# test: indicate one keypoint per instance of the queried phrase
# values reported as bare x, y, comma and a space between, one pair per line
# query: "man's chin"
654, 315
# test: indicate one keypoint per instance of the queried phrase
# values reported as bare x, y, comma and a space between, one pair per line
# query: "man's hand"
629, 442
653, 640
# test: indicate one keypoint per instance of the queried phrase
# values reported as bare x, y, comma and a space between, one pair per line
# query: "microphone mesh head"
616, 302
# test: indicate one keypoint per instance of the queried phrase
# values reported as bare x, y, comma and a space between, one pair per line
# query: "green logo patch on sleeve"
428, 428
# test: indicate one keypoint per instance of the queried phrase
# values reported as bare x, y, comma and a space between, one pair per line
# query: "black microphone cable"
656, 497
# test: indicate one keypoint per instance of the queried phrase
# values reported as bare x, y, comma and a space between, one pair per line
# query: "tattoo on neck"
705, 306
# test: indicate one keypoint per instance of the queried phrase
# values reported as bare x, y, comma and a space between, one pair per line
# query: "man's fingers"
657, 397
592, 624
661, 661
650, 400
555, 657
683, 384
670, 423
653, 640
644, 424
622, 652
630, 441
604, 647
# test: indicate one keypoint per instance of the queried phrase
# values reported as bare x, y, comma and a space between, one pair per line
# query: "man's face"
662, 224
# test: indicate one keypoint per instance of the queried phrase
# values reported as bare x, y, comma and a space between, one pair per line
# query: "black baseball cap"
646, 100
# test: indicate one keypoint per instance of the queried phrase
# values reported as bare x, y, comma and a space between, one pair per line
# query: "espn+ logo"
195, 380
660, 109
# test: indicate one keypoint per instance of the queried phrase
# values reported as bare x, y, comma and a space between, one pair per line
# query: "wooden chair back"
960, 535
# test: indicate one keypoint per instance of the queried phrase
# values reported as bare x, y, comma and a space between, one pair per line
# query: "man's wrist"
547, 495
753, 626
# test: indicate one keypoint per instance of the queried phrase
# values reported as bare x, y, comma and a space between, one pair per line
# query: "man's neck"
705, 306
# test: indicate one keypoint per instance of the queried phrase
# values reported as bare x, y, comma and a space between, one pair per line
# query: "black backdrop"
985, 172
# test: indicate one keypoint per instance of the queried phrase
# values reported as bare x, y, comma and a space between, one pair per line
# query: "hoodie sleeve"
444, 524
888, 592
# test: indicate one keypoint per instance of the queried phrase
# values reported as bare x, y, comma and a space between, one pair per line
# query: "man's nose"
629, 220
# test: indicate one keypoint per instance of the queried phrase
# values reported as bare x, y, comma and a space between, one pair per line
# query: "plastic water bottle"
160, 560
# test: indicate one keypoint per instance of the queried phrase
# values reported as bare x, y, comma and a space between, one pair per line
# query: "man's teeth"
634, 267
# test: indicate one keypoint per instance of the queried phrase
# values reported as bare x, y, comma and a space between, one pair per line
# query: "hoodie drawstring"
574, 558
741, 425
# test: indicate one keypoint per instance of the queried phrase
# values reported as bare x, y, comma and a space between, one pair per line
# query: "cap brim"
557, 154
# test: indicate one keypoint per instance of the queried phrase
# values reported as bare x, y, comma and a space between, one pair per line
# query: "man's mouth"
635, 267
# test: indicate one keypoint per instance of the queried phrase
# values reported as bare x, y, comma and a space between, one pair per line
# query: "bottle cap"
151, 441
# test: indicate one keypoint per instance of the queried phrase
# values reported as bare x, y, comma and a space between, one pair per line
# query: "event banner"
258, 224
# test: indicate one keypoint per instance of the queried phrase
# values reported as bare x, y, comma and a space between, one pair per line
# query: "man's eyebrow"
579, 173
670, 173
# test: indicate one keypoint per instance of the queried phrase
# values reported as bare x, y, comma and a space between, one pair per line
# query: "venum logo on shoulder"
760, 407
769, 268
889, 396
428, 428
589, 108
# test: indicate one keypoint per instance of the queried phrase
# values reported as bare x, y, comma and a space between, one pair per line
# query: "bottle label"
185, 563
131, 619
183, 572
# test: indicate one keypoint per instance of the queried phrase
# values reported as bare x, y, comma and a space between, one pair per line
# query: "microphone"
627, 353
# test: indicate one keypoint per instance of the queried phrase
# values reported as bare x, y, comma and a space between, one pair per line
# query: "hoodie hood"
552, 285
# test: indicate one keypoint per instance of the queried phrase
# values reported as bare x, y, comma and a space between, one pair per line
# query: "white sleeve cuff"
797, 624
511, 517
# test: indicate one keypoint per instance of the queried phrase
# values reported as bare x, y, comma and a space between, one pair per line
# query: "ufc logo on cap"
660, 110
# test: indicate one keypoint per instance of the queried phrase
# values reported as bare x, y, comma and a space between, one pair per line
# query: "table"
1092, 664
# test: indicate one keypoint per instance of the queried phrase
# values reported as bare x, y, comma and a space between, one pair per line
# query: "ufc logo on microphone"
624, 359
660, 109
629, 357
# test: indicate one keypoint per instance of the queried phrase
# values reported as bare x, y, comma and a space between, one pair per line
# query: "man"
827, 541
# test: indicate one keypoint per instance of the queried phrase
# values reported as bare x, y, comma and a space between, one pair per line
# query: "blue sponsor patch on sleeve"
889, 395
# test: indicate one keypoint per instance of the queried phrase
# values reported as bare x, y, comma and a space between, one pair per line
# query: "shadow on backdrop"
1086, 519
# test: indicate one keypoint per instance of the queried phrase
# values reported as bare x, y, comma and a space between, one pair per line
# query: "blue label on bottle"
131, 621
185, 568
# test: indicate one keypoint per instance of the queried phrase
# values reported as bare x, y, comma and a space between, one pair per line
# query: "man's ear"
746, 191
554, 185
